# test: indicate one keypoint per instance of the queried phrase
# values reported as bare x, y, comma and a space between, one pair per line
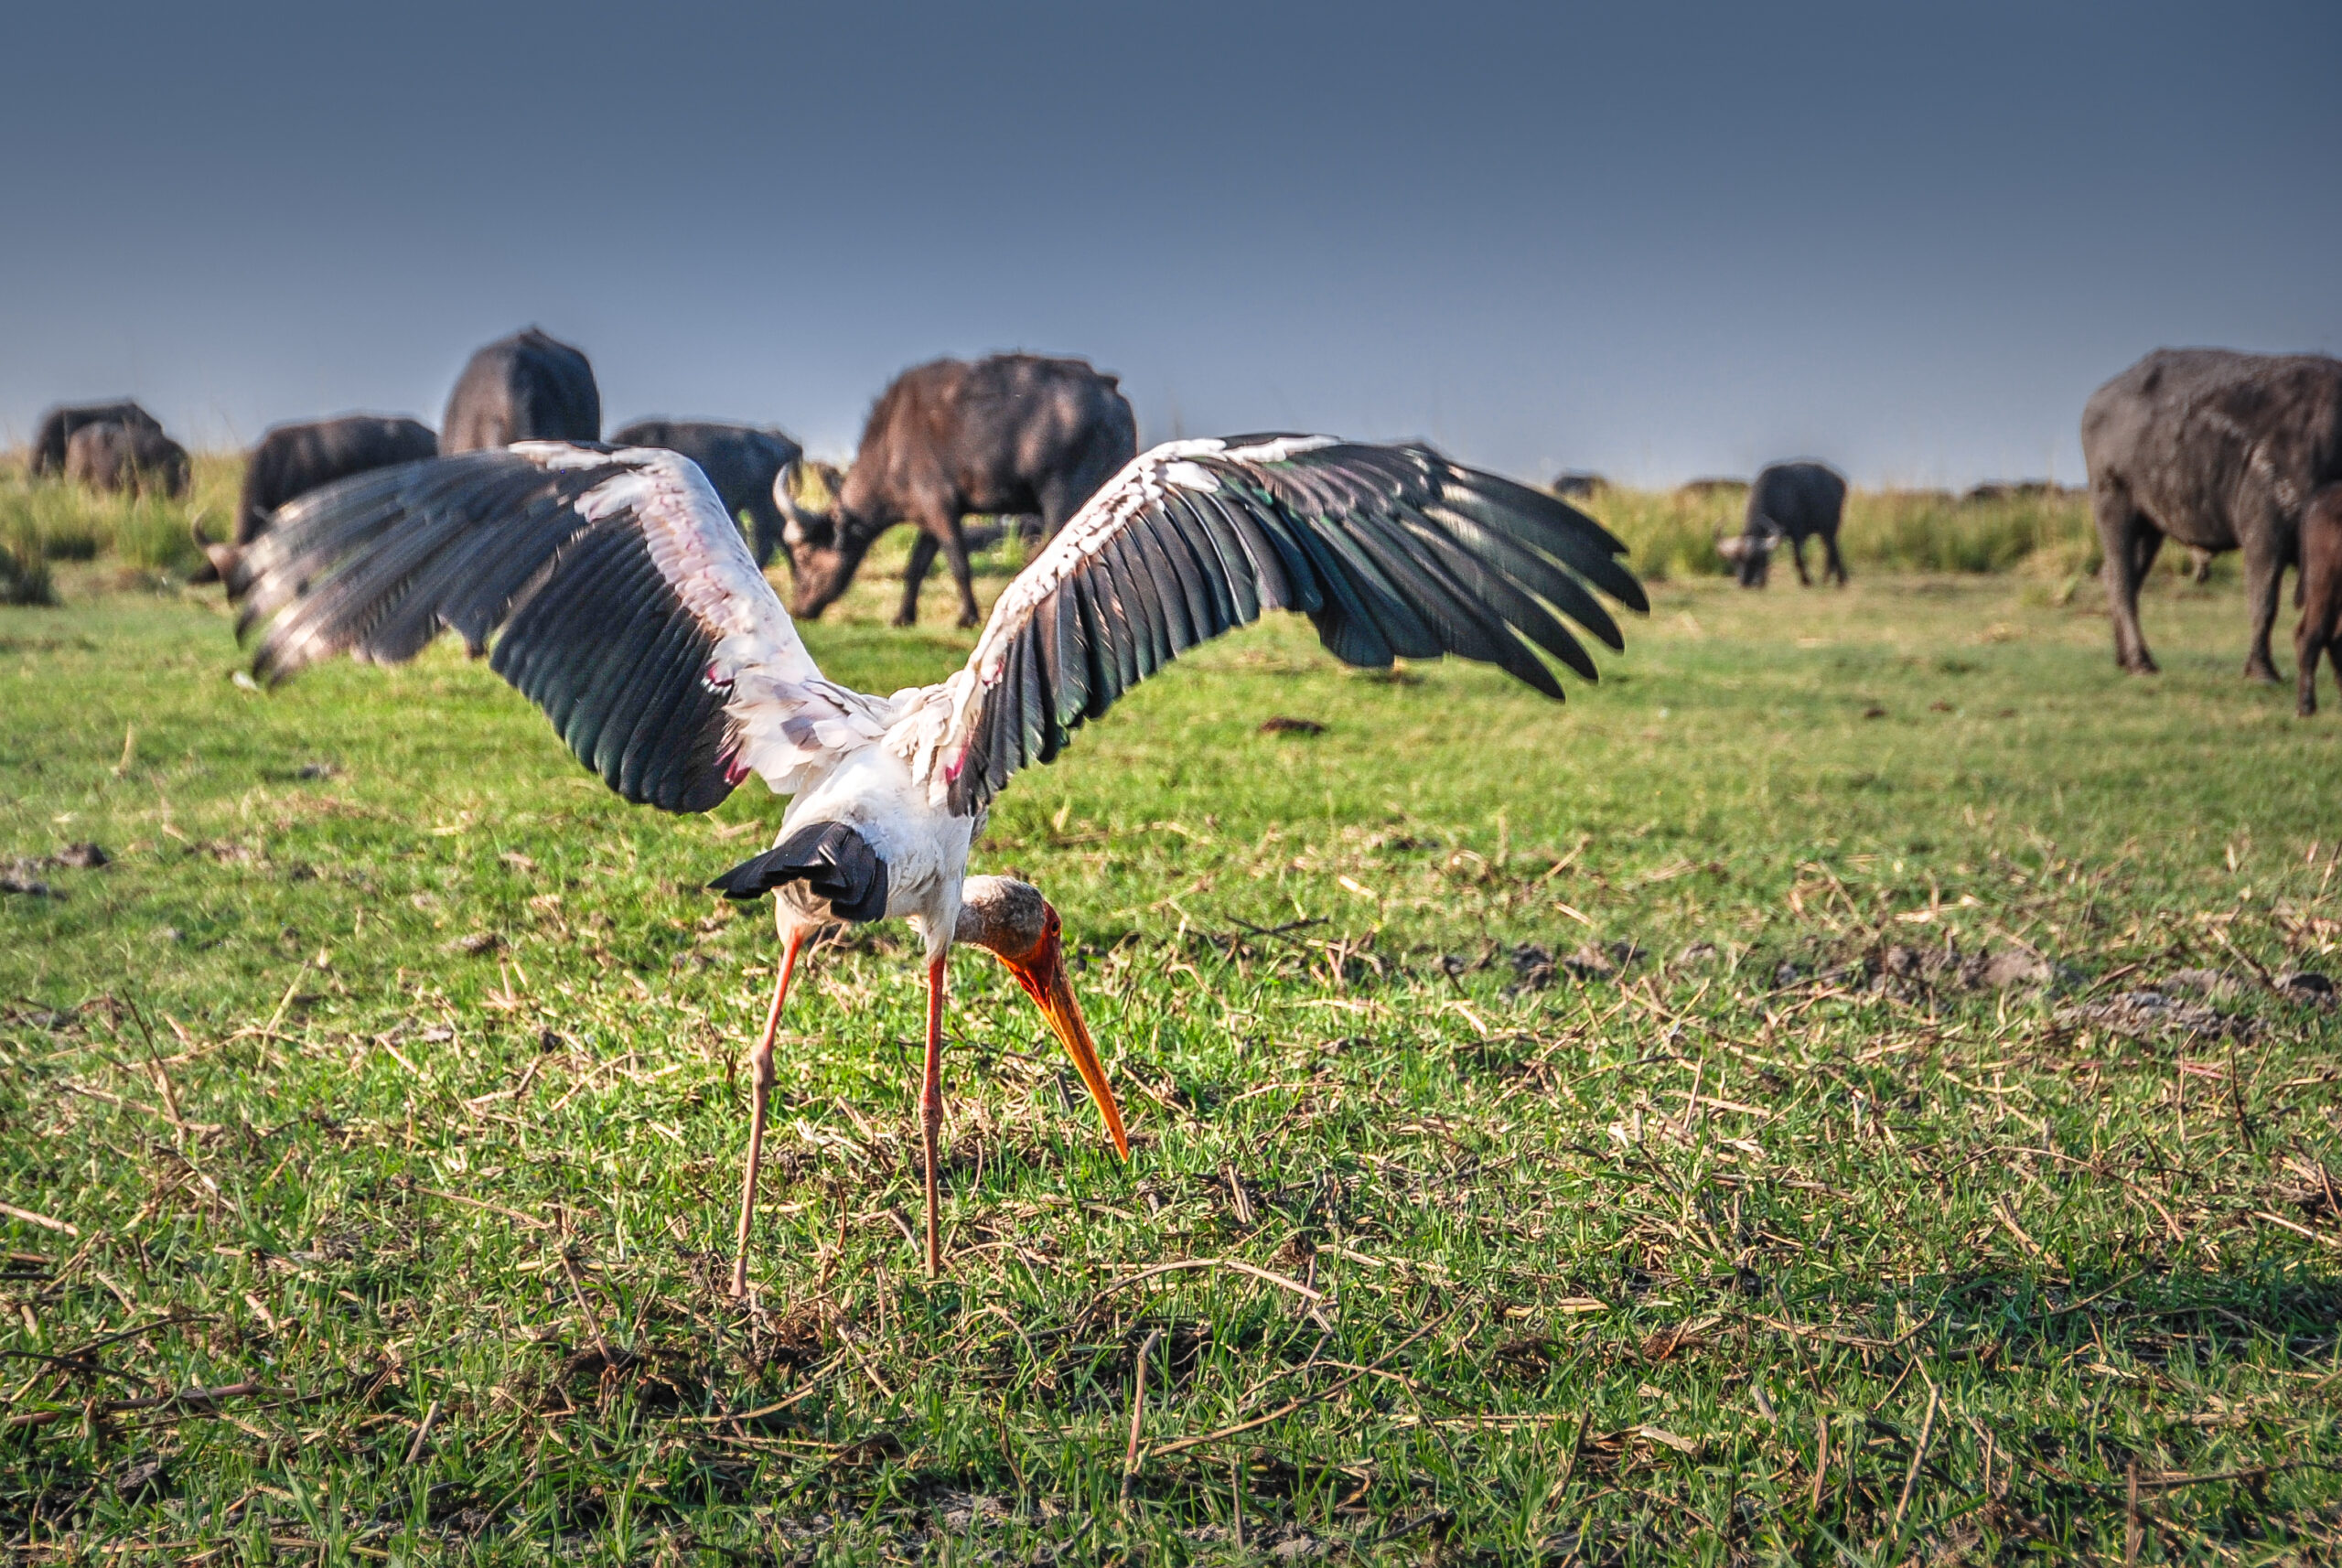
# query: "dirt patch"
2144, 1014
2309, 987
1535, 967
24, 876
1907, 971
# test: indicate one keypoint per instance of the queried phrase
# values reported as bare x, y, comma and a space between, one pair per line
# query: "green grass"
1611, 1251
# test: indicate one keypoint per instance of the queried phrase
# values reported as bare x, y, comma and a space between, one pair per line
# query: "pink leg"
760, 1089
931, 1108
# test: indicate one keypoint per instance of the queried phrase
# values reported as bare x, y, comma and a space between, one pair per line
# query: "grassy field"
1715, 1121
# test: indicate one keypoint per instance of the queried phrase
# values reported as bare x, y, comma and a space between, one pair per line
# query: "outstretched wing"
1393, 551
617, 590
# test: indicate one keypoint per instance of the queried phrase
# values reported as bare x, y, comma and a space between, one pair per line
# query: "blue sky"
1657, 240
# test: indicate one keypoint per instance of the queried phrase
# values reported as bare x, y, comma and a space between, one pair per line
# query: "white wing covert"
1393, 551
619, 597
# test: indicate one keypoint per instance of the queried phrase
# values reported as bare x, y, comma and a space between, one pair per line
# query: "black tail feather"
834, 861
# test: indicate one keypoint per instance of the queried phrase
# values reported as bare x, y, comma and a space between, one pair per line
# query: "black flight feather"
834, 861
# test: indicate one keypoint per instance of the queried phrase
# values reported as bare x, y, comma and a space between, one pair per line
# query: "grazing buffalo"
742, 462
2013, 490
1792, 501
1571, 484
57, 425
108, 457
293, 459
526, 387
2218, 450
2319, 636
1012, 434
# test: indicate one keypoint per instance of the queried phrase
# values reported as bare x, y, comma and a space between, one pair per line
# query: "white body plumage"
925, 848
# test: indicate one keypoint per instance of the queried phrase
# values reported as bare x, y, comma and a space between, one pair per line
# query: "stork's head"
1012, 921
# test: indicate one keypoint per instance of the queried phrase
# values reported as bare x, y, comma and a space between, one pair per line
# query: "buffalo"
293, 459
743, 462
132, 458
1792, 501
2013, 490
1012, 434
2319, 636
2218, 450
526, 387
57, 425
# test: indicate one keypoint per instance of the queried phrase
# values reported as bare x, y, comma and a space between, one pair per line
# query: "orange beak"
1042, 974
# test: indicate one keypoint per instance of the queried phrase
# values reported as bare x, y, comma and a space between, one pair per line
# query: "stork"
617, 595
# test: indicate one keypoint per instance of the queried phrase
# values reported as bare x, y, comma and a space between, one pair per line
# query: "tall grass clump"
47, 519
1931, 531
1668, 533
25, 577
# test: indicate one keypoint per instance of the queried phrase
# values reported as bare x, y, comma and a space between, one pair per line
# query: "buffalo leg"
1836, 563
2264, 567
914, 574
1060, 498
2312, 639
1796, 553
2119, 526
955, 555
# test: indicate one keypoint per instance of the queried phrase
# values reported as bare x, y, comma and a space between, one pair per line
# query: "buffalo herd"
2212, 449
127, 458
110, 446
57, 425
1015, 435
